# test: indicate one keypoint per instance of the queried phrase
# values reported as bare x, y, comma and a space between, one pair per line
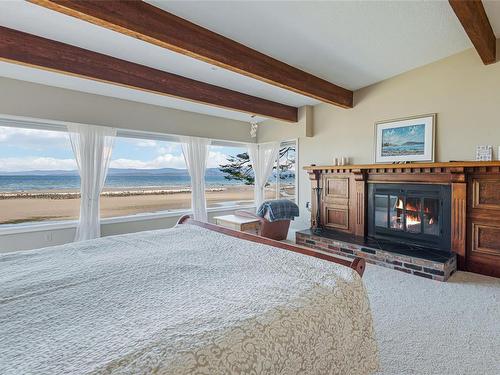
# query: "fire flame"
399, 205
412, 220
409, 206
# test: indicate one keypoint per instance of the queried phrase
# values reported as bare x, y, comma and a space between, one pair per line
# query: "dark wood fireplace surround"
475, 203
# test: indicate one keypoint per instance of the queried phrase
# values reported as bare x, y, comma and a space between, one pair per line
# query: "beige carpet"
429, 327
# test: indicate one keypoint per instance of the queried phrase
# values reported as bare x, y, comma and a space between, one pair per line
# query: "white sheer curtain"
262, 157
195, 152
92, 146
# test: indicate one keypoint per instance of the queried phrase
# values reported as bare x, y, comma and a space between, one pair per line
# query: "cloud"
163, 161
169, 148
32, 139
216, 158
48, 163
138, 142
169, 156
36, 163
168, 161
29, 142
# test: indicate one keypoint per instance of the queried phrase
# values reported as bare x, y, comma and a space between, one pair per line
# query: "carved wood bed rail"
357, 264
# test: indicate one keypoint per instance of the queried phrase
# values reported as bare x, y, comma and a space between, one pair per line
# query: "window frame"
54, 125
219, 143
278, 185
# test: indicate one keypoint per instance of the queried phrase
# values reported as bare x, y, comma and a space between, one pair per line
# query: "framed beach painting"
409, 139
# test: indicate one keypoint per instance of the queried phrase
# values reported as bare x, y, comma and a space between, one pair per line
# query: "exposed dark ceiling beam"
26, 49
473, 18
151, 24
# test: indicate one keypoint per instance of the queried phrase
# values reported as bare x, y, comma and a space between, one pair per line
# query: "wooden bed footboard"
357, 264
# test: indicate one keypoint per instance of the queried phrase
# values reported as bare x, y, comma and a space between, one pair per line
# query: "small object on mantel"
484, 153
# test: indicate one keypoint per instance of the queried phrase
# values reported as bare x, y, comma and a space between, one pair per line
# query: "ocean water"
29, 183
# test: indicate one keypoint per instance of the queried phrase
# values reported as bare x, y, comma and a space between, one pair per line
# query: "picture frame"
484, 153
409, 139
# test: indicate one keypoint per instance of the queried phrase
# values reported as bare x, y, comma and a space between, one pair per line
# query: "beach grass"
30, 219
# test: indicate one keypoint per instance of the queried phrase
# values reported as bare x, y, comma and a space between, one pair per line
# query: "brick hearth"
426, 263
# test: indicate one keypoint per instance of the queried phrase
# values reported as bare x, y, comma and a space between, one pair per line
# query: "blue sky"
404, 134
27, 149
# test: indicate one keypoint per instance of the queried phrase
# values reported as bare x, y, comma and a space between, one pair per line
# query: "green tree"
239, 168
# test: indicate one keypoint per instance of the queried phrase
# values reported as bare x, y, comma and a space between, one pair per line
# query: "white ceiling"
351, 43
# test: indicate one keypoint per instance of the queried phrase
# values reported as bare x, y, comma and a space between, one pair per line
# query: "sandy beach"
35, 206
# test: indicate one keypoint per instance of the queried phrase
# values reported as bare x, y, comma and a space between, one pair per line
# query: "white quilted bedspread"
184, 300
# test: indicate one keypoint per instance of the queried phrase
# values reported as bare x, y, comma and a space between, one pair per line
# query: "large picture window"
39, 180
38, 177
228, 177
150, 175
145, 176
238, 170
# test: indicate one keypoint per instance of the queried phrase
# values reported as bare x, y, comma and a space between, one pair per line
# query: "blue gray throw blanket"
281, 209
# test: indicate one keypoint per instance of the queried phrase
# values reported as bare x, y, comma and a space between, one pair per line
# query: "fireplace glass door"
416, 214
431, 216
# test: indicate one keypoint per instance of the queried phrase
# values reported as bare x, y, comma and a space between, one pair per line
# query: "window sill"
58, 225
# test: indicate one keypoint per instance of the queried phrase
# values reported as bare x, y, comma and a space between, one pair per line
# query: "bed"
194, 299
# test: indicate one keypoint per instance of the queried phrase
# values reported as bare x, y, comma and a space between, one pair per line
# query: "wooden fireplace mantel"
475, 202
420, 166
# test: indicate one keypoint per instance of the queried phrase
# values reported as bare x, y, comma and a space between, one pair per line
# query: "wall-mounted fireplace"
416, 214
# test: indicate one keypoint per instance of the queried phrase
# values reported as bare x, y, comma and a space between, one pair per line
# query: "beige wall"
460, 89
19, 98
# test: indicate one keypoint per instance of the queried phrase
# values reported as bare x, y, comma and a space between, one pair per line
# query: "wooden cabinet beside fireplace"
335, 198
483, 223
343, 198
475, 203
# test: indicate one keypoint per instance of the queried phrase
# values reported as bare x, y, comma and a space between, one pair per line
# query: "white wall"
25, 99
51, 237
463, 92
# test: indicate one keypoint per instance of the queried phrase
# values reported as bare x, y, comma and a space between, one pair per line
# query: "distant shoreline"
67, 187
114, 192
